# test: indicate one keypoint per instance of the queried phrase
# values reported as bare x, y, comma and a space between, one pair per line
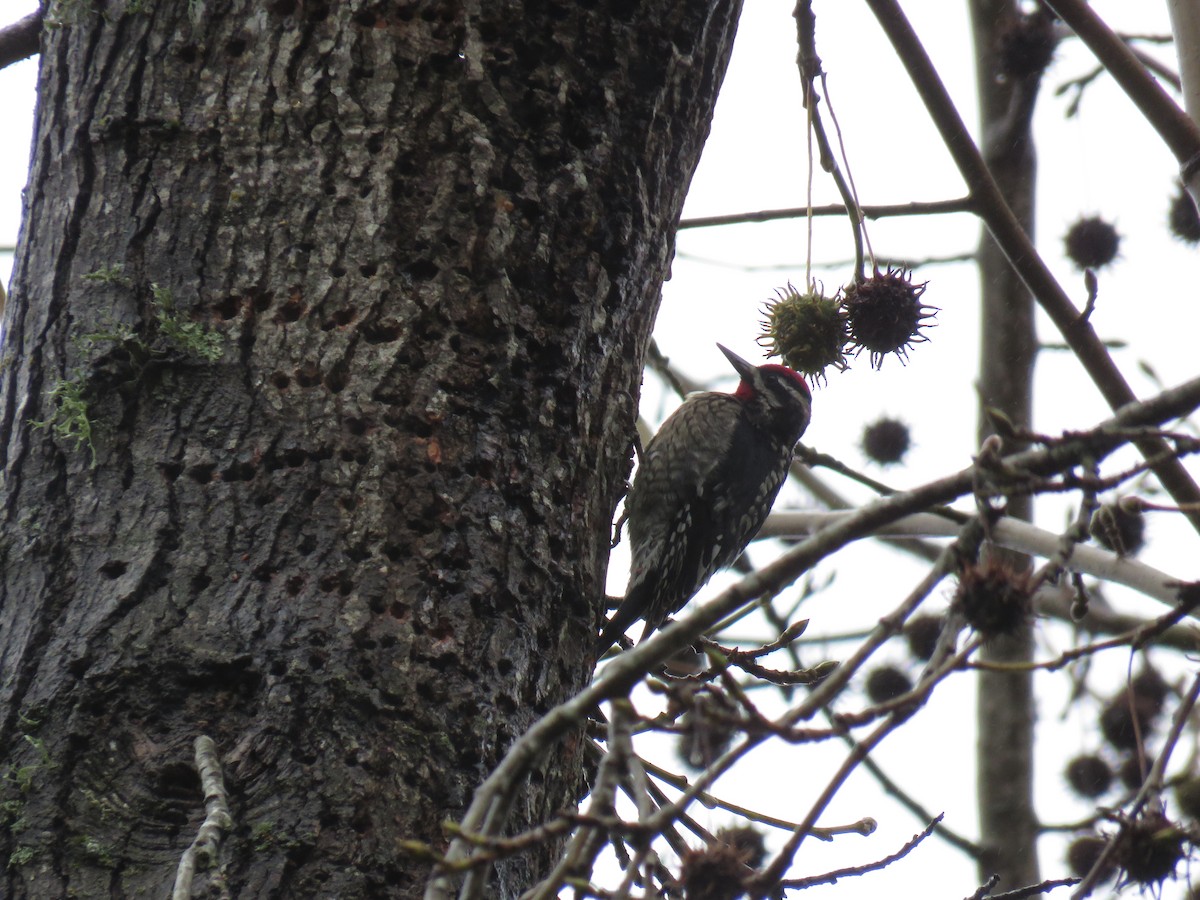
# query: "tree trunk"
1008, 347
365, 547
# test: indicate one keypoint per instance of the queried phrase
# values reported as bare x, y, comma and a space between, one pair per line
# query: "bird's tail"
632, 608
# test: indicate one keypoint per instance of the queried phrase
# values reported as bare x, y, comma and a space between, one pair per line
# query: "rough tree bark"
1008, 349
366, 546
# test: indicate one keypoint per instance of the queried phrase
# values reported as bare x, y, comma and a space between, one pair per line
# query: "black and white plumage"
706, 483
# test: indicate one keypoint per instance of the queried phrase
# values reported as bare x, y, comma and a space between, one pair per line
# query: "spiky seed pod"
994, 598
1117, 721
886, 441
922, 633
1187, 796
1183, 218
716, 872
1130, 772
887, 683
807, 330
1120, 526
1089, 775
749, 840
1149, 848
1092, 243
885, 314
1150, 689
707, 729
1084, 852
1027, 45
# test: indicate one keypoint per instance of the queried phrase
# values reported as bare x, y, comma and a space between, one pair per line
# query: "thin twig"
878, 211
849, 871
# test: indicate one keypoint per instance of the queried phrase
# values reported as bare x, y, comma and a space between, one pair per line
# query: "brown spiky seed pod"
1120, 526
1131, 773
749, 840
716, 872
1027, 45
1183, 218
994, 598
1092, 243
807, 330
1118, 718
1084, 852
887, 683
922, 633
1089, 775
886, 441
885, 314
1149, 848
1150, 689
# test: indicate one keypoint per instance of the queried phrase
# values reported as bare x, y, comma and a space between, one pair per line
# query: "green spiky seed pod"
994, 598
807, 330
885, 314
886, 441
1183, 218
1092, 243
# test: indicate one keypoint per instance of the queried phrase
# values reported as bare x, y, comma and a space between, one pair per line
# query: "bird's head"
778, 394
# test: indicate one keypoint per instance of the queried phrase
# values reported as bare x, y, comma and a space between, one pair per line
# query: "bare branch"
20, 40
1016, 244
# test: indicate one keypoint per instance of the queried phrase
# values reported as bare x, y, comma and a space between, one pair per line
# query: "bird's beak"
742, 367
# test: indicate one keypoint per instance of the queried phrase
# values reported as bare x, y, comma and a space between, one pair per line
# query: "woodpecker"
705, 484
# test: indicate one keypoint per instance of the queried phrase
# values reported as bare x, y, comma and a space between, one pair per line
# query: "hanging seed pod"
1089, 775
1124, 719
886, 441
887, 683
885, 314
1084, 852
808, 331
1149, 848
748, 840
1183, 218
922, 633
994, 598
716, 872
1092, 243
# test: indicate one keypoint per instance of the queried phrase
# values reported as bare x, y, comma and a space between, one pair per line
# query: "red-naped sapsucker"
705, 484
